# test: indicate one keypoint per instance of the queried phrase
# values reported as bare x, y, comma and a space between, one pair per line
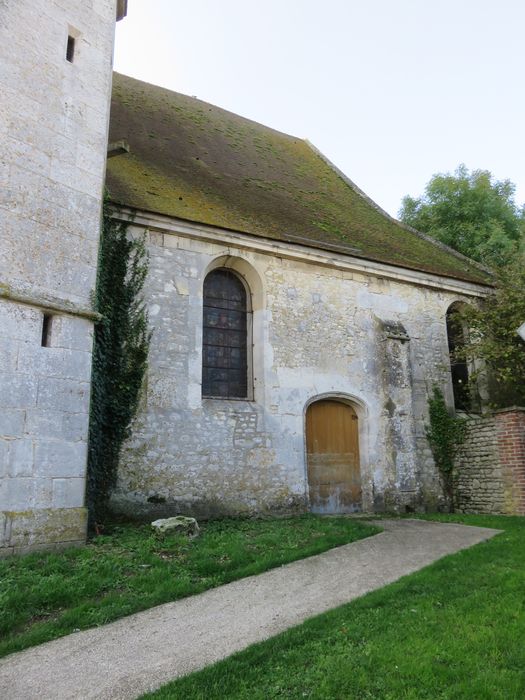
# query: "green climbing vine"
120, 356
445, 434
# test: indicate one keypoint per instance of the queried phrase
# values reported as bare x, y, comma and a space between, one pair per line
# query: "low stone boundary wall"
490, 475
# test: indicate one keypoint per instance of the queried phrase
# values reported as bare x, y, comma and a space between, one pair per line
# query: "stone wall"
491, 464
53, 124
53, 130
321, 328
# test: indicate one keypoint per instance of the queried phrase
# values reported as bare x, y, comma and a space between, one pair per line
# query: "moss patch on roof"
194, 161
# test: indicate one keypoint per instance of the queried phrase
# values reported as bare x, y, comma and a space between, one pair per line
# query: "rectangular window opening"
47, 323
70, 50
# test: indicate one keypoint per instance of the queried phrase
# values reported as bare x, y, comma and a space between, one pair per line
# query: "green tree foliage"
477, 216
120, 355
493, 337
471, 212
445, 434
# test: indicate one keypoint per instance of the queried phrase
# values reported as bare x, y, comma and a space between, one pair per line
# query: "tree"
477, 216
470, 212
493, 337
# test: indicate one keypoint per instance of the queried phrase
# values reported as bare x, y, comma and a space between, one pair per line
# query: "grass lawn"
44, 596
453, 630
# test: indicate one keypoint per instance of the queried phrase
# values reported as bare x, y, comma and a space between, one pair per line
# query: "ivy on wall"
120, 356
445, 434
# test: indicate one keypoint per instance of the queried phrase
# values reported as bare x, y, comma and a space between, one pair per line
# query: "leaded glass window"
224, 338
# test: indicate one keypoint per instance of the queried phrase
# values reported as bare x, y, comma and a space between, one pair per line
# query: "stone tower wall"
53, 129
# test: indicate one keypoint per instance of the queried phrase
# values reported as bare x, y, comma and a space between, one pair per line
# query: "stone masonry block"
33, 527
17, 391
4, 454
75, 427
57, 425
19, 322
73, 333
63, 395
8, 354
12, 423
18, 493
54, 362
43, 423
20, 458
60, 459
68, 493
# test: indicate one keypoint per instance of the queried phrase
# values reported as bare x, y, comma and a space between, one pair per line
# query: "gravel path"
141, 652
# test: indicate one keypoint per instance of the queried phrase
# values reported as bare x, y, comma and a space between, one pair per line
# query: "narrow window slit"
70, 51
47, 323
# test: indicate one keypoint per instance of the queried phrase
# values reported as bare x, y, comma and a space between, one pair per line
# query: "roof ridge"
211, 104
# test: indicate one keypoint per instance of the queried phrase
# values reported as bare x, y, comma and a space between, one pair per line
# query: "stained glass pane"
224, 352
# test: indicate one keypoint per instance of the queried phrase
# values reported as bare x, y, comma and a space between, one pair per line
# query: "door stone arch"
333, 456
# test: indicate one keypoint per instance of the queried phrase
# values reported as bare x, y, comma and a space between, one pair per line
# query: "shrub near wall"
445, 434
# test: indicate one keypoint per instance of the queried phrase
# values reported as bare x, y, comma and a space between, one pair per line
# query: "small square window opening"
47, 323
70, 50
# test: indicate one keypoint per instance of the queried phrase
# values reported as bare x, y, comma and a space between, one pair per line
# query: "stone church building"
297, 328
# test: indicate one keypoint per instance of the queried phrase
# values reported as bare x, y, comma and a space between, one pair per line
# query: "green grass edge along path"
454, 630
47, 595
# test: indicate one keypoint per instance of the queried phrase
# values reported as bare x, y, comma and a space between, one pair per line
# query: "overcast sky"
391, 92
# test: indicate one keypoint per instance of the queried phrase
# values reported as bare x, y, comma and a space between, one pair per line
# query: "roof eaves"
294, 241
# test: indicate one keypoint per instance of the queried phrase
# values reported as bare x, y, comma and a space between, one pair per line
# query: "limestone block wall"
491, 464
44, 405
53, 131
53, 126
319, 330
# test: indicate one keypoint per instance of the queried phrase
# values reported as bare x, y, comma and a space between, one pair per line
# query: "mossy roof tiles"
194, 161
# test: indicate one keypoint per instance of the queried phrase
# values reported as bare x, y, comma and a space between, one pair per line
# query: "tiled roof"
194, 161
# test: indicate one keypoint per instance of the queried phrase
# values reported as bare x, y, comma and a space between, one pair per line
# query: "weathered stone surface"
180, 524
54, 118
490, 466
53, 125
479, 483
29, 530
316, 334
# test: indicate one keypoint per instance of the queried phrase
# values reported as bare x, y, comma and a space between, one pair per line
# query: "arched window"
458, 364
225, 336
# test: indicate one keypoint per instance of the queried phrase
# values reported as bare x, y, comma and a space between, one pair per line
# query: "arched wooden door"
332, 440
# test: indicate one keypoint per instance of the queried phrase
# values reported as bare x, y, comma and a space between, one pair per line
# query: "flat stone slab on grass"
180, 524
141, 652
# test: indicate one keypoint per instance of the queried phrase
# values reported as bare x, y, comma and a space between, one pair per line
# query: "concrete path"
141, 652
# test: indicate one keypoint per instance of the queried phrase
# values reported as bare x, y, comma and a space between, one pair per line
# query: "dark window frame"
47, 329
226, 336
70, 48
459, 370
